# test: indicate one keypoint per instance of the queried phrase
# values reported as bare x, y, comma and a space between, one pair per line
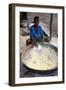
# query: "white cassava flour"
41, 58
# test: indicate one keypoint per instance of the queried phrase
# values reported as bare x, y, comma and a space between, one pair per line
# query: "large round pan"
24, 51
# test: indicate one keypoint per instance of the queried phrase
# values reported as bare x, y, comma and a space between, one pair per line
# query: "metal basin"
26, 50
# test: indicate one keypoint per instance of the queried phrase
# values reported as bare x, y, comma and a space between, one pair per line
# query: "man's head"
36, 20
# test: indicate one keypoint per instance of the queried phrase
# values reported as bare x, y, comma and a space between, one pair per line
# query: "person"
36, 32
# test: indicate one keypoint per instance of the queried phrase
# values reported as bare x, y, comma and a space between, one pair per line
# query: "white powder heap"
41, 58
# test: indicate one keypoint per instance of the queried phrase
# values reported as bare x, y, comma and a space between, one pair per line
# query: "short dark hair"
36, 17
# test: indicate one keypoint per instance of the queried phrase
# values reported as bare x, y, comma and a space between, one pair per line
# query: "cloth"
36, 35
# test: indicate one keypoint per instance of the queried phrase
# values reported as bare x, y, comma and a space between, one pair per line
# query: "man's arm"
41, 31
44, 35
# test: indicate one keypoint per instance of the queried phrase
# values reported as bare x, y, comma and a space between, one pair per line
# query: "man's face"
36, 22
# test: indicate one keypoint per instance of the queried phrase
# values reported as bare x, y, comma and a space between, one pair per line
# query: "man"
36, 32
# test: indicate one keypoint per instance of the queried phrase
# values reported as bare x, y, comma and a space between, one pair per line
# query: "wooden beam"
51, 19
